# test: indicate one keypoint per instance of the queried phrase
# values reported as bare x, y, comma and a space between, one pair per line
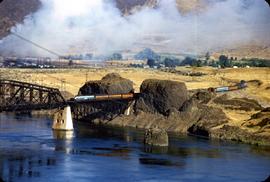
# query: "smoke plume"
97, 26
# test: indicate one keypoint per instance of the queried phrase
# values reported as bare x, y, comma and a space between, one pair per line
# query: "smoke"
97, 26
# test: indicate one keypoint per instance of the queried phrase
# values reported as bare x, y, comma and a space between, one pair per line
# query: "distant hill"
14, 11
184, 6
129, 6
246, 51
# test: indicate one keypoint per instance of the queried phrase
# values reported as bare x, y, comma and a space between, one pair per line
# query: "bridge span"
22, 96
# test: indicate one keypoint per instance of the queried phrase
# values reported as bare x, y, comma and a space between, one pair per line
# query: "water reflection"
13, 166
63, 141
63, 135
31, 151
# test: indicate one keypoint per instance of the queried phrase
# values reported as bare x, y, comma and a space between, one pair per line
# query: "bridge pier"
128, 110
63, 120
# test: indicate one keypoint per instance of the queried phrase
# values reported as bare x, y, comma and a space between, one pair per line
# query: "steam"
97, 26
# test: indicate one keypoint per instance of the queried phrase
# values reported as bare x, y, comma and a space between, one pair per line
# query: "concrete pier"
63, 120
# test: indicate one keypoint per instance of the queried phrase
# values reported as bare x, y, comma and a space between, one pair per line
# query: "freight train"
238, 86
86, 98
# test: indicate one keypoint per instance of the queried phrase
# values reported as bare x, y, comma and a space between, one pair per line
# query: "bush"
224, 61
256, 62
147, 54
115, 56
188, 61
151, 63
171, 62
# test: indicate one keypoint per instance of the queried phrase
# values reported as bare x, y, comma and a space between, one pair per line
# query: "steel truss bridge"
16, 96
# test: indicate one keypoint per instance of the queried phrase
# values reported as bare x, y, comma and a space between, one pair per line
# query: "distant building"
125, 63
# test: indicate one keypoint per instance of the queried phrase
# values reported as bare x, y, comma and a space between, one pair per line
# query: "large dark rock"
161, 96
204, 96
112, 83
203, 117
156, 137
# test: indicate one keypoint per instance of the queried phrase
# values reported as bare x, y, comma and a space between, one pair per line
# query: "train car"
102, 97
85, 98
222, 89
238, 86
128, 96
115, 96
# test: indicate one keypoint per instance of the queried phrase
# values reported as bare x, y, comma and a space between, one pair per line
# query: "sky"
97, 26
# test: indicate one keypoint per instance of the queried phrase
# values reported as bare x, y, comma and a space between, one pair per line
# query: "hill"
13, 12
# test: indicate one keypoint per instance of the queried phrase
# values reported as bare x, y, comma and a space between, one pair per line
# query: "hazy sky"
80, 26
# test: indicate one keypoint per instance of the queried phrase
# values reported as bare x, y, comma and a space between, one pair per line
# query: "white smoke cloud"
80, 26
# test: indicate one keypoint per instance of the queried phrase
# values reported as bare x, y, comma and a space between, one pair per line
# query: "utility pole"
86, 76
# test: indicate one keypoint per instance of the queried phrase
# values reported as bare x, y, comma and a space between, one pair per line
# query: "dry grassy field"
72, 79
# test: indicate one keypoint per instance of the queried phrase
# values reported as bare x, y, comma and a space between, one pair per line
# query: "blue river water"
31, 151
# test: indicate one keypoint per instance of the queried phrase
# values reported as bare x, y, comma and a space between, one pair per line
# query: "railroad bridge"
21, 96
18, 96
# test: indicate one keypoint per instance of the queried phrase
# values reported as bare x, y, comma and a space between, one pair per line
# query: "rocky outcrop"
238, 103
168, 105
161, 96
112, 83
156, 137
260, 120
202, 116
241, 135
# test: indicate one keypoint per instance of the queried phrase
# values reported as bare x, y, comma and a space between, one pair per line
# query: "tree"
188, 61
70, 62
151, 63
171, 62
147, 54
88, 56
224, 61
117, 56
207, 56
199, 63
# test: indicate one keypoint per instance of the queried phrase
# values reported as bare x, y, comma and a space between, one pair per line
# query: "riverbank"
168, 105
240, 115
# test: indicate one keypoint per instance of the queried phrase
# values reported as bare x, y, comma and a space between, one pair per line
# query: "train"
241, 85
87, 98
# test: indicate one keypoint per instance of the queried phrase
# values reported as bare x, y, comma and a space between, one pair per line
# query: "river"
31, 151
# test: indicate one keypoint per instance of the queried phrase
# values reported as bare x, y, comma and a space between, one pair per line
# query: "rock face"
241, 135
203, 117
161, 96
260, 120
238, 103
169, 106
112, 83
156, 137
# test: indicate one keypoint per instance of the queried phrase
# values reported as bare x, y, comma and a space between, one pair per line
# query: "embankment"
170, 106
